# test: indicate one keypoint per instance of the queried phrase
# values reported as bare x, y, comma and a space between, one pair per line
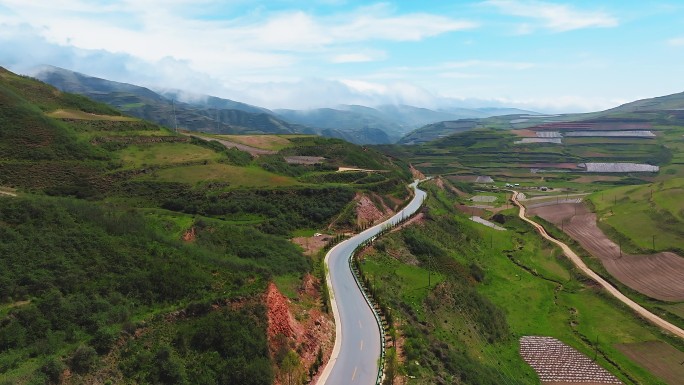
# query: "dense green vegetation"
77, 275
133, 254
487, 289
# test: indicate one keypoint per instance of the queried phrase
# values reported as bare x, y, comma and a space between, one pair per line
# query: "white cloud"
556, 17
486, 64
359, 57
557, 104
676, 41
459, 75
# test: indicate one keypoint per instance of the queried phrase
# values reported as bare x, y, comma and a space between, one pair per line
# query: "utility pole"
596, 349
175, 120
653, 242
620, 246
429, 270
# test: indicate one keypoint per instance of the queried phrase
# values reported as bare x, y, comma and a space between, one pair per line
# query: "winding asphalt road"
661, 323
356, 353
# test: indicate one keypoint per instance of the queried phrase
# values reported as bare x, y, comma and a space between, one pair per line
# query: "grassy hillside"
498, 153
645, 218
487, 289
132, 254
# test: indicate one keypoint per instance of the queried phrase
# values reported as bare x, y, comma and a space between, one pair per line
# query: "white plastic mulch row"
555, 361
617, 134
619, 167
487, 223
539, 140
483, 198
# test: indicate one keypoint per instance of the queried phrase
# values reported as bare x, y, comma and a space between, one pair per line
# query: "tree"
53, 369
290, 369
83, 359
391, 366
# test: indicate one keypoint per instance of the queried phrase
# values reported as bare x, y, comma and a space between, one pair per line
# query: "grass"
288, 284
251, 176
539, 291
677, 309
80, 115
387, 273
638, 213
162, 154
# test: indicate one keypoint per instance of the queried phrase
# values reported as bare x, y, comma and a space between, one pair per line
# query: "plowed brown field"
657, 275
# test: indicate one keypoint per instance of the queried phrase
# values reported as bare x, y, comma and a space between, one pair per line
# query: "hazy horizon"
543, 56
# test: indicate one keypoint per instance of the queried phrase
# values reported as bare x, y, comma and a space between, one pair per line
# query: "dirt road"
661, 323
657, 275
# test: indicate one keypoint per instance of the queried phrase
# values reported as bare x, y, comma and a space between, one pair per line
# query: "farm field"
635, 214
264, 142
661, 359
161, 154
80, 115
658, 275
556, 362
234, 175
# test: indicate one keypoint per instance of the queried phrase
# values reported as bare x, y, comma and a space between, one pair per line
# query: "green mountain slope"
522, 147
214, 115
667, 102
133, 254
197, 112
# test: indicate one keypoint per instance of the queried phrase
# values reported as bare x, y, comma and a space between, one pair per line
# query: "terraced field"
647, 217
656, 275
234, 175
165, 154
80, 115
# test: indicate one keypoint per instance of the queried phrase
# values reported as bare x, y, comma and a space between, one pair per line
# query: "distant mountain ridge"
667, 102
176, 108
668, 109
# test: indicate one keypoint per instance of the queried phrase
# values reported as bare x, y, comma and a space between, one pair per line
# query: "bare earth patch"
264, 142
308, 160
80, 115
416, 173
658, 357
312, 245
242, 147
656, 275
524, 133
417, 219
558, 363
307, 332
367, 212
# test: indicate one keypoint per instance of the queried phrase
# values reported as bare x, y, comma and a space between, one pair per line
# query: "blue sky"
551, 56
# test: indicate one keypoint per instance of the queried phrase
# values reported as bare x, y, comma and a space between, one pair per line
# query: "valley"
170, 248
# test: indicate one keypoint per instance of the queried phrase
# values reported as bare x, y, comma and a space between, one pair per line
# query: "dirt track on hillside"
658, 275
661, 323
